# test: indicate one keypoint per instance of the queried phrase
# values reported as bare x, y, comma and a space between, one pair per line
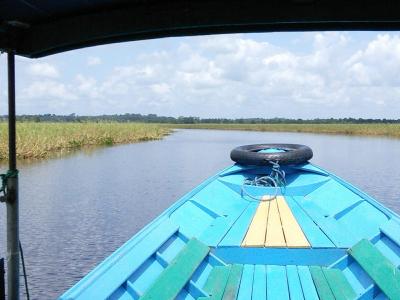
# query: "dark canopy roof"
36, 28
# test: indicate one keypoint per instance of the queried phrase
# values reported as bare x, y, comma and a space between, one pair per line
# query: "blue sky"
295, 75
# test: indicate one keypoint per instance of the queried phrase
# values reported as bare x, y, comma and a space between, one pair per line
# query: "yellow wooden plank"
255, 236
294, 235
274, 236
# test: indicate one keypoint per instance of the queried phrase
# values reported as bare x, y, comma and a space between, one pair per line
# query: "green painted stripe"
216, 282
178, 273
378, 267
232, 286
321, 284
339, 285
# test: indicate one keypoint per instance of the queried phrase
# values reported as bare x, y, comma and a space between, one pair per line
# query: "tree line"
153, 118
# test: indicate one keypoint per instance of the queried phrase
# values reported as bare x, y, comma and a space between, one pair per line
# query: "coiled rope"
276, 179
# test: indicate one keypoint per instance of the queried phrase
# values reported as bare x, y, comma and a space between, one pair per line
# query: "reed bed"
41, 140
374, 129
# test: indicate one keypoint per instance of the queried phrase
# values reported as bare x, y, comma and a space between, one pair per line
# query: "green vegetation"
153, 118
37, 140
41, 140
381, 129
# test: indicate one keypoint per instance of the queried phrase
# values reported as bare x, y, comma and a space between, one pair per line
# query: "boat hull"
297, 242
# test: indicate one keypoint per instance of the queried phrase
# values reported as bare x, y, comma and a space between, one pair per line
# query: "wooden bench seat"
378, 267
178, 273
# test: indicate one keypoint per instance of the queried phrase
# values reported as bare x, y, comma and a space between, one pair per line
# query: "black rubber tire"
249, 155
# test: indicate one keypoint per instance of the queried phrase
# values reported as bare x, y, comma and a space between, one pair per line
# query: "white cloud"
238, 76
47, 89
93, 61
87, 86
378, 64
161, 88
42, 69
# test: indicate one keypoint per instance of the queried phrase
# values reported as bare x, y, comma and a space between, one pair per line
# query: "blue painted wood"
146, 274
236, 169
333, 197
259, 283
215, 232
314, 234
392, 230
203, 271
358, 278
122, 294
220, 199
121, 265
132, 291
172, 247
339, 235
246, 284
277, 283
372, 220
184, 295
300, 185
280, 256
221, 225
191, 219
307, 283
295, 290
369, 293
194, 290
389, 249
235, 235
215, 212
312, 168
205, 208
365, 196
380, 296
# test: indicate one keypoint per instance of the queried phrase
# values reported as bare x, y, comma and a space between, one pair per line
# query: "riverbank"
389, 130
42, 140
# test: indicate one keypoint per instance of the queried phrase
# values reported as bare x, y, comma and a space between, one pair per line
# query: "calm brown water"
77, 210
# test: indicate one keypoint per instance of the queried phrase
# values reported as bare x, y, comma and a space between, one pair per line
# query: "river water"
78, 209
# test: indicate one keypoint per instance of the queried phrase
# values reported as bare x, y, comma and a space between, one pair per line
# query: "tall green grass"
390, 130
41, 140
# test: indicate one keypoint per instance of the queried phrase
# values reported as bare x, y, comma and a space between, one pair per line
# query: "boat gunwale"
103, 266
91, 277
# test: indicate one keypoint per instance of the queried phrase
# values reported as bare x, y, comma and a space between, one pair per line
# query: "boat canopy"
39, 28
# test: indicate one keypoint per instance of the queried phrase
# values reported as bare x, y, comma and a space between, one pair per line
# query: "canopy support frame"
12, 202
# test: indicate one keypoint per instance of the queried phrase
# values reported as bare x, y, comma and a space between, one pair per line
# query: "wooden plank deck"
280, 282
274, 225
255, 236
274, 234
294, 235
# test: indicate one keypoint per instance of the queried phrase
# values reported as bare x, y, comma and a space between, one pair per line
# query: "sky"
291, 75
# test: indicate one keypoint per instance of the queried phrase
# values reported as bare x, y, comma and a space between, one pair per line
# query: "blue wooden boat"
271, 226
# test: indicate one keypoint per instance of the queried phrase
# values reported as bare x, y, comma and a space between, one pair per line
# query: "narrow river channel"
78, 209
